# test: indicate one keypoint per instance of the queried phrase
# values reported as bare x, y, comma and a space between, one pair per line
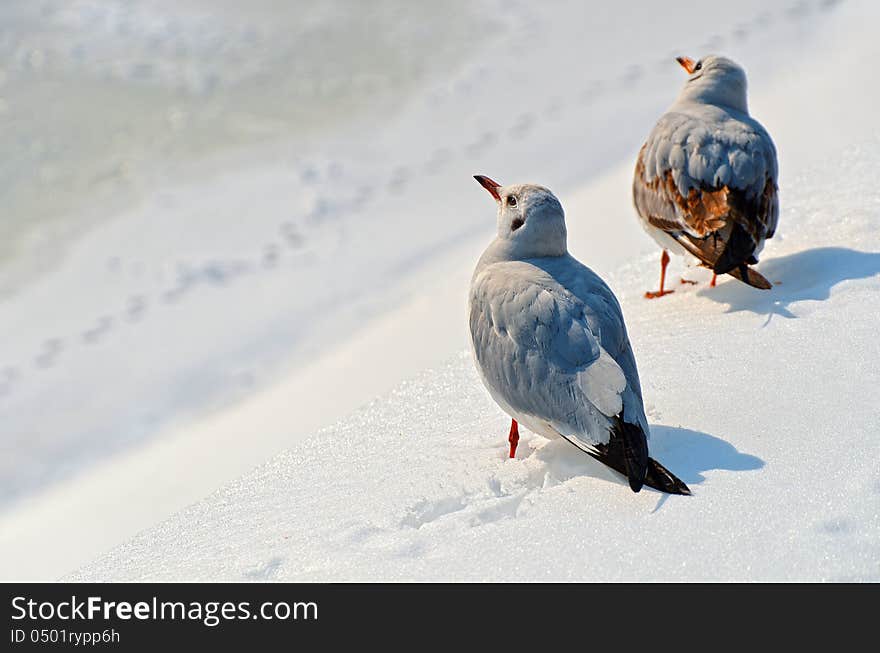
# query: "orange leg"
712, 283
664, 261
513, 438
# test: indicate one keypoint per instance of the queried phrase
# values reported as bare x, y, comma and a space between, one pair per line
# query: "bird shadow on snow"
688, 454
806, 275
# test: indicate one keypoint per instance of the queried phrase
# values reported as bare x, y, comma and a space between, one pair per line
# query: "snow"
763, 404
416, 486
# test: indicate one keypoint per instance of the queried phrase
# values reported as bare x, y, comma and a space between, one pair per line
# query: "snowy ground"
765, 406
764, 403
206, 367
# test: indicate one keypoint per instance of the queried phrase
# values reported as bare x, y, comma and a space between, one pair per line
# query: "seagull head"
714, 80
530, 219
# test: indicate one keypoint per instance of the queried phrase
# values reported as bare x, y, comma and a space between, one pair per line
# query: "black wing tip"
660, 478
632, 445
751, 277
738, 253
627, 454
681, 490
758, 281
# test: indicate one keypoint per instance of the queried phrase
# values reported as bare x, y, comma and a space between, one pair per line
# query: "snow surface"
765, 404
417, 487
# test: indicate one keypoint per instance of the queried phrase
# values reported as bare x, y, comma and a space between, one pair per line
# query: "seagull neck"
714, 95
502, 250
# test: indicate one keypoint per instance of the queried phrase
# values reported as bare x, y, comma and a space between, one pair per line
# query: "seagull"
550, 343
705, 180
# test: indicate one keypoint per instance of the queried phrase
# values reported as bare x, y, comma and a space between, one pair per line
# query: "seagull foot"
664, 261
654, 294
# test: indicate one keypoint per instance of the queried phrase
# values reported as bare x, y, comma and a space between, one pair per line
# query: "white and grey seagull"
705, 180
550, 343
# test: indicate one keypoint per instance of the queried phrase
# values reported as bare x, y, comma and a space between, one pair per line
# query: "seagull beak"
489, 185
687, 63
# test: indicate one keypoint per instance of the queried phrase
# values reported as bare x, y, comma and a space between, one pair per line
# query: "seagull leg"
664, 261
712, 283
513, 438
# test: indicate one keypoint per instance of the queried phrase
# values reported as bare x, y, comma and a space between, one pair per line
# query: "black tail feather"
627, 453
752, 277
660, 478
705, 249
740, 249
635, 455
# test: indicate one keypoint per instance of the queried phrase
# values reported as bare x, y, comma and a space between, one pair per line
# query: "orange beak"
489, 185
687, 63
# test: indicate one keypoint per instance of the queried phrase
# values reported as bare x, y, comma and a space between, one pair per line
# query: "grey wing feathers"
710, 151
541, 346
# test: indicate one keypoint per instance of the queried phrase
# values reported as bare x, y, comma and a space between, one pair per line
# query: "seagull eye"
699, 66
511, 201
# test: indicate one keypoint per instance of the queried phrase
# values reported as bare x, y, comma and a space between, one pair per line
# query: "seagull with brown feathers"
705, 181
